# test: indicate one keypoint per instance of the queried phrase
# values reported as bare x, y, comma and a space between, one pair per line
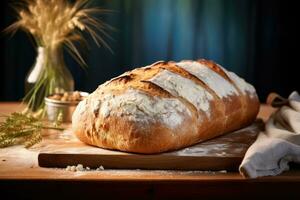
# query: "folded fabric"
278, 145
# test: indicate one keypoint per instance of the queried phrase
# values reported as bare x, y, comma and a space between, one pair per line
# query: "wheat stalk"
56, 22
52, 23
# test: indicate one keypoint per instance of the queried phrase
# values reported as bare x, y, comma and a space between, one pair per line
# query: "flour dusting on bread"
165, 106
140, 107
217, 83
240, 83
185, 88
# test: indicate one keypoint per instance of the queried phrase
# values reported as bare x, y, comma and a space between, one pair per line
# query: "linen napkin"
279, 144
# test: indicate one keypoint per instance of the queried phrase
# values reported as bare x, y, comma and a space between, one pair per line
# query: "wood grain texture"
22, 178
221, 153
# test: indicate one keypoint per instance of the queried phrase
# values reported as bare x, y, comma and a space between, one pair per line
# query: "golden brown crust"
248, 105
123, 121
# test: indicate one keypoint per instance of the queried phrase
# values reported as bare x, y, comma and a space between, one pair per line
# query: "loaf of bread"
165, 106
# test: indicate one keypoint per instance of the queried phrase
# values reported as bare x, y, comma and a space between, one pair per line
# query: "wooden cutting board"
222, 153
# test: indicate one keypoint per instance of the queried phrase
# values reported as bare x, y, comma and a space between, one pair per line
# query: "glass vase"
47, 76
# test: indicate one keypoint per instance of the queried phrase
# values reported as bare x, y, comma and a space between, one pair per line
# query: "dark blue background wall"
257, 39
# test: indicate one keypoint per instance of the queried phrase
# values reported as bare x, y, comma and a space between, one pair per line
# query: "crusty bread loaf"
165, 106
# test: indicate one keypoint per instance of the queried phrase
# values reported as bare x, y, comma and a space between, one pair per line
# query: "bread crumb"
73, 168
100, 168
81, 168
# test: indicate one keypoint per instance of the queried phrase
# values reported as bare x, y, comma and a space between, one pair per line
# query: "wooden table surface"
21, 177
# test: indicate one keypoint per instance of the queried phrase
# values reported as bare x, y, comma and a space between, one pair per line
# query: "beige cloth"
278, 145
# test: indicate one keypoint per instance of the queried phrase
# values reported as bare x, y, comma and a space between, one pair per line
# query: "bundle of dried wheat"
52, 23
56, 22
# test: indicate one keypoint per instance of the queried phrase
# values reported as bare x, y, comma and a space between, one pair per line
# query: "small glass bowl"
66, 108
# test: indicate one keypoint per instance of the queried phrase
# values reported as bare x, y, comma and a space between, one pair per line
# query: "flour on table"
207, 149
81, 168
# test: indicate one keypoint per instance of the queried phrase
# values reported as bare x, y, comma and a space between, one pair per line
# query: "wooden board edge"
165, 162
